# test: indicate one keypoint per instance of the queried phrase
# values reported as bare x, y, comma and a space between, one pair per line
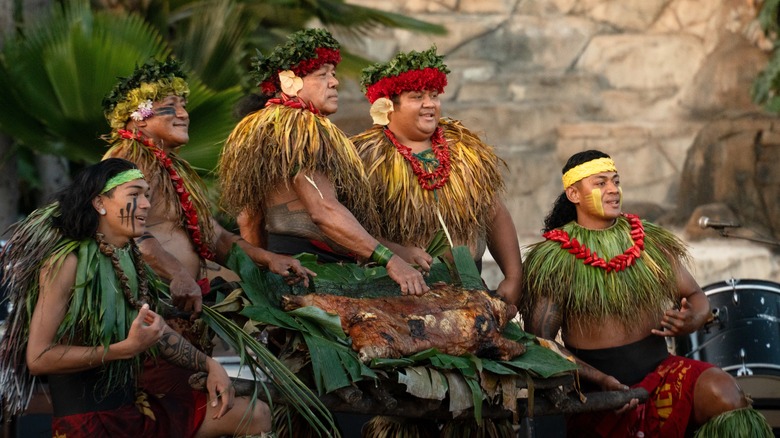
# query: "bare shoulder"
59, 276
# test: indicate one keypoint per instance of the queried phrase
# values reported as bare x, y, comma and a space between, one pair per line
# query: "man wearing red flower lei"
617, 286
292, 177
427, 171
183, 243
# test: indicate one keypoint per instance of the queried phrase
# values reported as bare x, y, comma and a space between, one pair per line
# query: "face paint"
165, 111
130, 208
595, 198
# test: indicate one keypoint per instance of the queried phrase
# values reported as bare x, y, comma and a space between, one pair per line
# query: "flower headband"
405, 72
132, 97
587, 169
304, 52
121, 178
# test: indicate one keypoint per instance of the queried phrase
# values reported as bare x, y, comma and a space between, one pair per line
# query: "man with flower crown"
429, 172
616, 286
292, 177
183, 243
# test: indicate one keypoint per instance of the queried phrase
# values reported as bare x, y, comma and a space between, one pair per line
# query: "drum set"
743, 338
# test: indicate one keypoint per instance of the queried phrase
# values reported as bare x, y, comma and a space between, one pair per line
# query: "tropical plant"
56, 74
55, 71
766, 87
216, 38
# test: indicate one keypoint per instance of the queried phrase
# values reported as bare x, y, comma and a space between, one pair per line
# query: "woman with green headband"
85, 315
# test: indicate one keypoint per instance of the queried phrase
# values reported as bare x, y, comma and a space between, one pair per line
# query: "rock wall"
542, 79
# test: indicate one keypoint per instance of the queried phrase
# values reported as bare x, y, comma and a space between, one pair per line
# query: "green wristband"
381, 255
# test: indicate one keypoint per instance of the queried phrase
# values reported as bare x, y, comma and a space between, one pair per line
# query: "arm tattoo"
178, 351
546, 320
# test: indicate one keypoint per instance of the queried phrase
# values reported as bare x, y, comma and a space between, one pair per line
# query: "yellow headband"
587, 169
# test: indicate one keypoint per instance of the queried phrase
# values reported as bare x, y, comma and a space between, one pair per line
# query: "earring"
102, 211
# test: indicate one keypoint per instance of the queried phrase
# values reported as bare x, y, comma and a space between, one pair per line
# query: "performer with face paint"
182, 243
148, 115
85, 315
616, 286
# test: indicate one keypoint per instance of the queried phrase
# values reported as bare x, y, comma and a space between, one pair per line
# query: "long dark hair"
78, 219
563, 210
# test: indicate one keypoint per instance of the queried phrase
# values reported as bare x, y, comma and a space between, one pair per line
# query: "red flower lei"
190, 214
428, 180
292, 102
618, 263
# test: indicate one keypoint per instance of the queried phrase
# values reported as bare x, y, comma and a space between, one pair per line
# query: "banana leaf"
335, 364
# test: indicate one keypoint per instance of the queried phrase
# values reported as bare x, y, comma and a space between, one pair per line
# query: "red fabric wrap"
149, 417
205, 286
665, 414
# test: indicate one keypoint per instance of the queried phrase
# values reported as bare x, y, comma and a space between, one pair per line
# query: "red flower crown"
429, 78
324, 55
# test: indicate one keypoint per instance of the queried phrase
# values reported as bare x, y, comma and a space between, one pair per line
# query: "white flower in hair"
143, 112
380, 109
290, 83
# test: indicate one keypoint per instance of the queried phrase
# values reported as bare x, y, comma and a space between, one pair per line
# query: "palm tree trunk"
9, 193
10, 11
53, 174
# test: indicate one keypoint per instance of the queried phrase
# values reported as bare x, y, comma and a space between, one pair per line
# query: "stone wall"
542, 79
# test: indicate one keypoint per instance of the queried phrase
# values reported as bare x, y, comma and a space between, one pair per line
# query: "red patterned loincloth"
665, 414
148, 417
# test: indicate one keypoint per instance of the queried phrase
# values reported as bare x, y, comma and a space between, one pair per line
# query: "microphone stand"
724, 232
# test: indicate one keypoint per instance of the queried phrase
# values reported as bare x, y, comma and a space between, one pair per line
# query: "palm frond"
357, 20
60, 70
335, 364
256, 357
211, 38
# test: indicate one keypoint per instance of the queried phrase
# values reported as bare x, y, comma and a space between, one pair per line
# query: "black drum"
743, 337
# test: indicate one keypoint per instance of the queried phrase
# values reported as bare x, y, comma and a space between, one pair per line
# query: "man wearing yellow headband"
429, 172
616, 286
292, 177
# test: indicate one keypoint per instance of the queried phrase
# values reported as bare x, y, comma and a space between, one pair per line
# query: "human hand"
220, 388
290, 269
509, 290
146, 330
410, 279
415, 256
186, 294
609, 383
678, 322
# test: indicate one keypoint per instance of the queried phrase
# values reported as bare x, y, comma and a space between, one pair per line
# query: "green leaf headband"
121, 178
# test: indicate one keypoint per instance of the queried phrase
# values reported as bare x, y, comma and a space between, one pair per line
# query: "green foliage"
57, 73
767, 84
768, 16
335, 364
